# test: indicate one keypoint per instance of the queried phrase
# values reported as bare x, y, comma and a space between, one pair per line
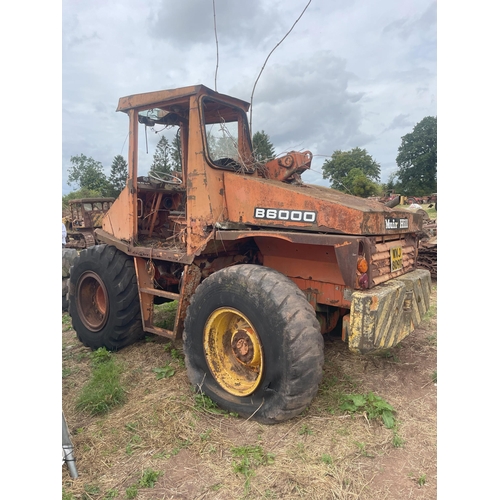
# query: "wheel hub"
92, 303
233, 351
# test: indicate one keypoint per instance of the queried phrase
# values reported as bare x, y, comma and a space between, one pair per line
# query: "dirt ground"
198, 452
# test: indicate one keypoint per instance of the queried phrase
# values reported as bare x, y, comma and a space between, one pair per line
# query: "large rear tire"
252, 343
104, 299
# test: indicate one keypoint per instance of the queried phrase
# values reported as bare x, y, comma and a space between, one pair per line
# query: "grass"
329, 451
164, 314
104, 390
248, 459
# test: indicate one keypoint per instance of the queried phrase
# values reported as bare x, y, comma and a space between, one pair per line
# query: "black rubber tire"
289, 333
114, 274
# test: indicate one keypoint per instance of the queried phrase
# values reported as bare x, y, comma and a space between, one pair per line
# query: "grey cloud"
400, 121
307, 102
406, 27
189, 22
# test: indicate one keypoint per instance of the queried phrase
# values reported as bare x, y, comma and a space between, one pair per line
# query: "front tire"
104, 299
252, 343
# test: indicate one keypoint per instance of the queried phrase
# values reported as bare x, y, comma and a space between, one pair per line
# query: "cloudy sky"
351, 73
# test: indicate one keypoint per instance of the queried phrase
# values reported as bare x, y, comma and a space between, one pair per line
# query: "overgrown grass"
164, 314
104, 390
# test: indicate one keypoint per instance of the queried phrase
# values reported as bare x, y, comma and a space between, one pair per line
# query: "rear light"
362, 265
363, 281
362, 268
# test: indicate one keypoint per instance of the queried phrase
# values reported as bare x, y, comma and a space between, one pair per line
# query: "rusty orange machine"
85, 216
261, 263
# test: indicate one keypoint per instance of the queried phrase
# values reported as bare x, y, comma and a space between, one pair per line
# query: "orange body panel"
333, 211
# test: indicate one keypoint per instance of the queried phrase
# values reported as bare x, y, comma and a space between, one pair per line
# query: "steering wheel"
164, 177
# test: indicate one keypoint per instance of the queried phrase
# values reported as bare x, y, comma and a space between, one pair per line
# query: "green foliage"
162, 161
89, 174
354, 172
203, 402
250, 458
374, 407
164, 372
175, 153
422, 480
118, 176
417, 159
164, 314
305, 430
263, 150
131, 492
149, 478
66, 495
103, 391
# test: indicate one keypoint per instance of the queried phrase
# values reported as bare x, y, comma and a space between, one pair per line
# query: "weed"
110, 494
149, 478
326, 459
216, 486
421, 480
66, 372
131, 492
100, 355
180, 445
251, 457
67, 496
362, 449
92, 489
431, 312
388, 354
165, 372
205, 436
204, 403
103, 391
374, 407
132, 427
397, 440
305, 430
432, 339
66, 322
434, 376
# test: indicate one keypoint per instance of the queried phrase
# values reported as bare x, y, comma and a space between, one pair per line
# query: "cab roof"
160, 98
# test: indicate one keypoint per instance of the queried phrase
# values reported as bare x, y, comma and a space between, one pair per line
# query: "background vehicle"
260, 263
85, 216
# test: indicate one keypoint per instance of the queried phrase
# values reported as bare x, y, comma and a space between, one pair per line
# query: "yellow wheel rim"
233, 351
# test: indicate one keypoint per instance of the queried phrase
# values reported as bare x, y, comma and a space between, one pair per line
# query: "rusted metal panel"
264, 202
161, 97
190, 280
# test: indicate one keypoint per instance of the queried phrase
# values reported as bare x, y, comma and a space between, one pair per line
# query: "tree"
118, 175
354, 172
359, 184
175, 153
417, 159
263, 150
88, 173
161, 158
